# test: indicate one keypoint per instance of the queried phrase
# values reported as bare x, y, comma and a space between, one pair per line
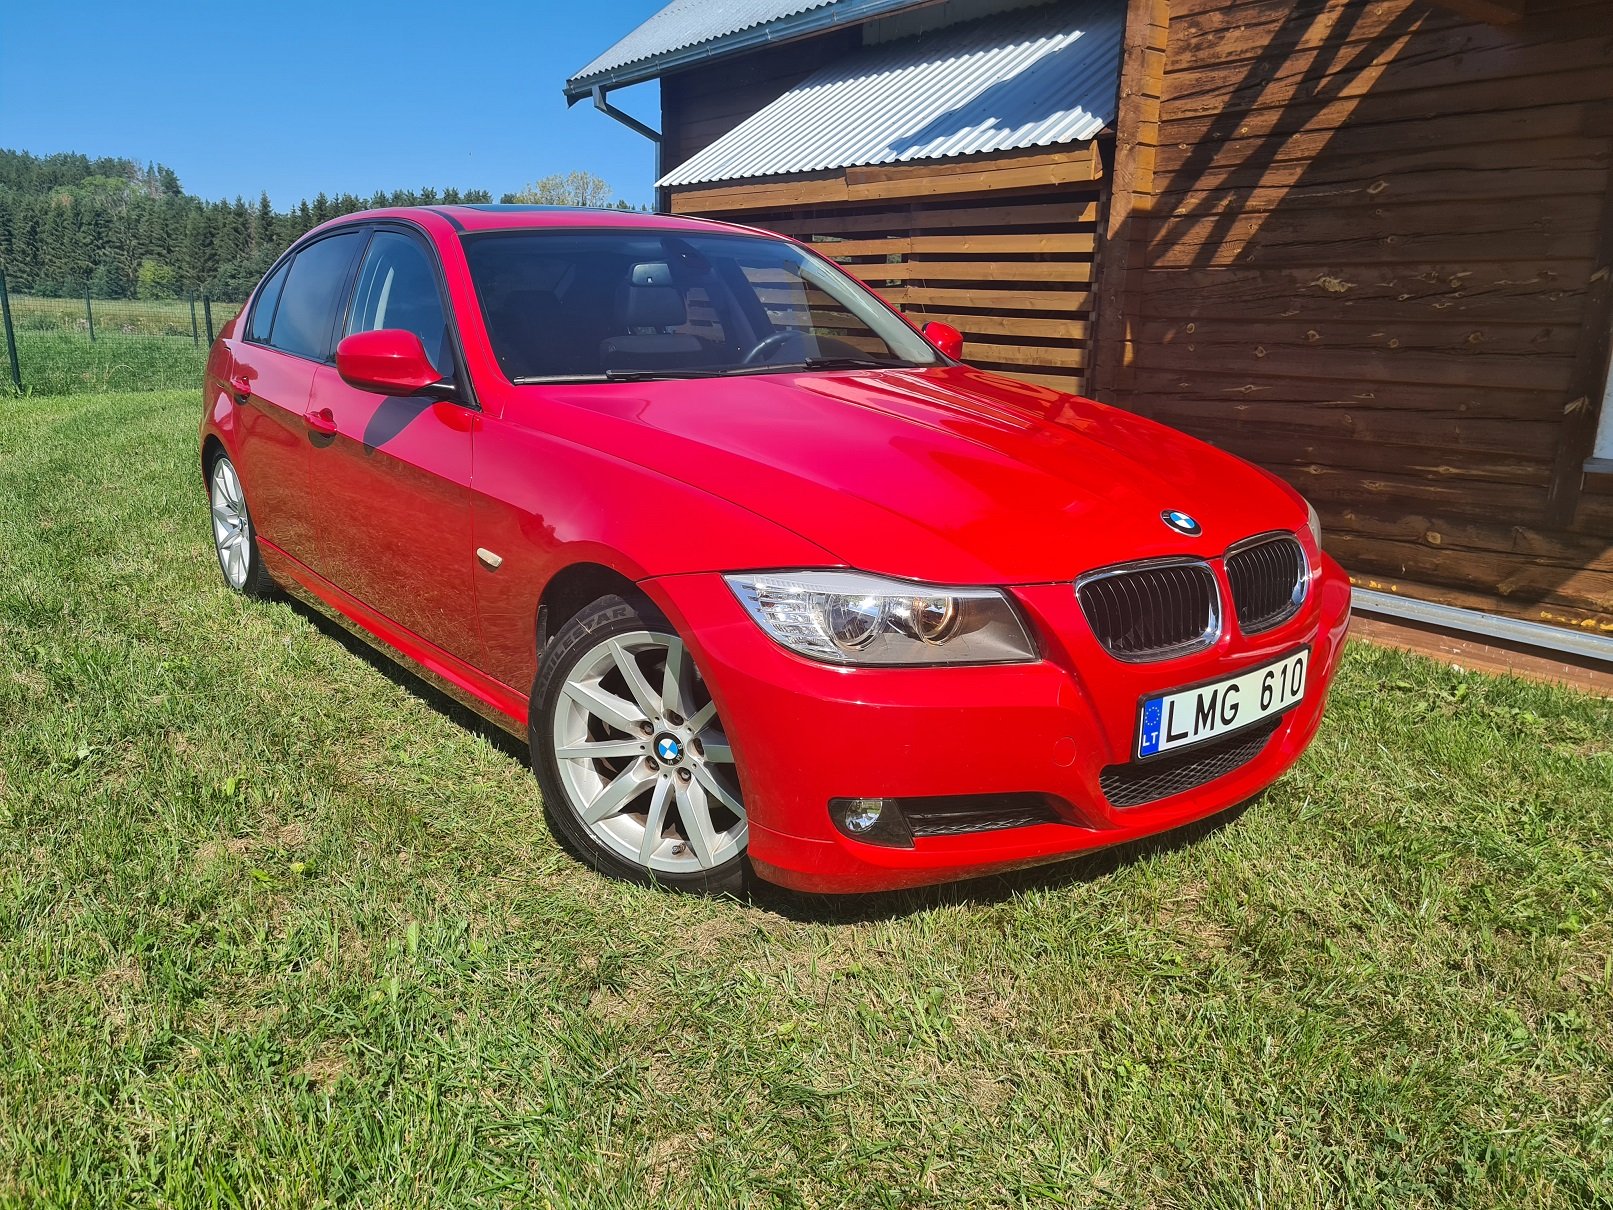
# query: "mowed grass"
138, 345
278, 928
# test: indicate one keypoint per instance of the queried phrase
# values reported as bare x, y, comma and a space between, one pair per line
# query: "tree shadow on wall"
1369, 257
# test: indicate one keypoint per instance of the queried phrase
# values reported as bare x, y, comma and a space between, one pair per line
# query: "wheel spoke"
616, 711
609, 749
626, 785
674, 680
634, 676
223, 515
695, 813
709, 780
714, 747
702, 718
655, 820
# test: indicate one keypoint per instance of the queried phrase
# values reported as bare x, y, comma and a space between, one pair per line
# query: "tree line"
70, 224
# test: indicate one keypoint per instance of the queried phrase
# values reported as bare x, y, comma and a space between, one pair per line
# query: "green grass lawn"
279, 928
139, 344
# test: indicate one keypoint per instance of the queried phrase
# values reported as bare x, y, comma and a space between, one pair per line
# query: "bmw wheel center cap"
668, 750
1182, 523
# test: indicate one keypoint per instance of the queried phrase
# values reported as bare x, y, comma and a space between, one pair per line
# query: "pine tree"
56, 248
23, 272
196, 263
127, 250
229, 235
8, 218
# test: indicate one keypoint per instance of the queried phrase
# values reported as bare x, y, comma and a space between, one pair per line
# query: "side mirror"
389, 362
944, 337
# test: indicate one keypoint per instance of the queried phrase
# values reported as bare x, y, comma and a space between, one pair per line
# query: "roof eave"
801, 25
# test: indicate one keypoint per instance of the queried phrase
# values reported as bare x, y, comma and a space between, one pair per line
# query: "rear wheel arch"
212, 447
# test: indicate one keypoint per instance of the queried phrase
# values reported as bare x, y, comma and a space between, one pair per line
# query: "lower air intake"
958, 814
1132, 785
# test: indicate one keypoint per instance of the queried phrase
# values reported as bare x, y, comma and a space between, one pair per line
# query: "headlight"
1314, 522
852, 618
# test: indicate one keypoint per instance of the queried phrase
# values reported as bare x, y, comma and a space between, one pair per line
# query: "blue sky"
295, 97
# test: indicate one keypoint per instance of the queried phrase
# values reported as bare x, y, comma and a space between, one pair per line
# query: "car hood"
950, 475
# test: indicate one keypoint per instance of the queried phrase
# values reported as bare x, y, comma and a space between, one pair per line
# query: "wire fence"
65, 346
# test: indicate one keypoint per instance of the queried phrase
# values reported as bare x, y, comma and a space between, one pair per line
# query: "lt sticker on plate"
1186, 717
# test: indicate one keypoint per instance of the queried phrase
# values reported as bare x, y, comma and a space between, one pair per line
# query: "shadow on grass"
997, 888
407, 678
794, 905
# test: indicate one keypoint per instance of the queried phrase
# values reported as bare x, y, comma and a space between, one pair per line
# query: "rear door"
391, 484
286, 337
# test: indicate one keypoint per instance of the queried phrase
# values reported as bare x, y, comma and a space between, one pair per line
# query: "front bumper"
804, 733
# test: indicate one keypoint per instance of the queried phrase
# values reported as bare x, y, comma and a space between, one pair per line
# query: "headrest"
650, 307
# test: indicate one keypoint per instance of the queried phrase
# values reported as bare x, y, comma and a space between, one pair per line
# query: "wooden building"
1365, 243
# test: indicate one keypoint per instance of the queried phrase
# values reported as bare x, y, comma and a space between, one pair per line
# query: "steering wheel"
768, 344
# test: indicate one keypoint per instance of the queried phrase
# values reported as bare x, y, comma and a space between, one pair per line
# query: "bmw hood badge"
1182, 523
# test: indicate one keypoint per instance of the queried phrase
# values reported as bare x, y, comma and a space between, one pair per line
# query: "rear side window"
263, 306
313, 293
397, 288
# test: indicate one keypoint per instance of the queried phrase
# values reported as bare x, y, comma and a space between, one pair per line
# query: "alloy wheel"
643, 758
232, 528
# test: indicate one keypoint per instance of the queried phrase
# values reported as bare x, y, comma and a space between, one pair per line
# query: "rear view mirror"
389, 362
945, 338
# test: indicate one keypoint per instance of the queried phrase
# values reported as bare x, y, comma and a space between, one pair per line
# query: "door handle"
323, 421
241, 387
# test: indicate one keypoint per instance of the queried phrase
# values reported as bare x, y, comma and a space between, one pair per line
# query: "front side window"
305, 320
397, 288
602, 305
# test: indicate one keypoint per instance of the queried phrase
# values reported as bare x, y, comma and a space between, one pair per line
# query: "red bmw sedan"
770, 582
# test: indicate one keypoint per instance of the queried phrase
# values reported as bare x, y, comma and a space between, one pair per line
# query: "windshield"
577, 306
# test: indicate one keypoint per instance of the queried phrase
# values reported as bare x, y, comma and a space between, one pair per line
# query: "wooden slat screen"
1371, 252
1012, 273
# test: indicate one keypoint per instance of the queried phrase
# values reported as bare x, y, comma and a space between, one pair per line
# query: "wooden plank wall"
1373, 254
1001, 246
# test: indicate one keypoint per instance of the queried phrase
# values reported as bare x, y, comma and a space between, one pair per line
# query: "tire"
235, 540
639, 784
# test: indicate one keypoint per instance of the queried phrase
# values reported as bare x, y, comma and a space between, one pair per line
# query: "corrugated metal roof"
1031, 79
653, 48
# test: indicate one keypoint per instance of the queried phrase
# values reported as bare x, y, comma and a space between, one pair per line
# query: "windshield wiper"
841, 363
780, 367
527, 380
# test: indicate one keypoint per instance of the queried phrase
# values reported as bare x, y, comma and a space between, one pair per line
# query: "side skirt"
491, 699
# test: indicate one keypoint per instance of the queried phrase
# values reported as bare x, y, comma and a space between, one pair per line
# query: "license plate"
1185, 717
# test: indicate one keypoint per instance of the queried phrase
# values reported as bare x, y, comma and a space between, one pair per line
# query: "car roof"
510, 217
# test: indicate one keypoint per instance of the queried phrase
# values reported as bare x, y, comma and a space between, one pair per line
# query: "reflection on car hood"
949, 475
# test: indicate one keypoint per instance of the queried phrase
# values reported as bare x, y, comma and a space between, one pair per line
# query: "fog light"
872, 821
862, 814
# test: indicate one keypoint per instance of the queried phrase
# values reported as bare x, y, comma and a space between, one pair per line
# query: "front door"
391, 484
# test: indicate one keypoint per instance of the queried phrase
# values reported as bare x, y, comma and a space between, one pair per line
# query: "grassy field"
138, 345
277, 927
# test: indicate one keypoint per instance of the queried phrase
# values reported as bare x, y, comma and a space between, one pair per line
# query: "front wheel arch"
571, 590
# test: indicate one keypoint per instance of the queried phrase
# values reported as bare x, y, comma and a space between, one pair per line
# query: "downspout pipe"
628, 120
